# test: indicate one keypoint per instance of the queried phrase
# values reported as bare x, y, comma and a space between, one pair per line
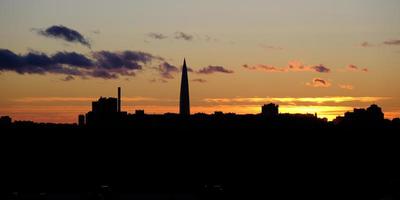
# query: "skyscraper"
184, 104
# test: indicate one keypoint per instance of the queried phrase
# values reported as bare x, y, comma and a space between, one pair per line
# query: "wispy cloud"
214, 69
179, 35
293, 66
183, 36
392, 42
296, 100
200, 80
64, 33
319, 83
367, 44
167, 70
158, 36
270, 47
355, 68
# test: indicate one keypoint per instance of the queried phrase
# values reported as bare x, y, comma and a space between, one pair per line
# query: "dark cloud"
72, 58
183, 36
66, 34
214, 69
367, 44
98, 64
158, 36
125, 59
32, 63
321, 69
355, 68
101, 64
200, 80
392, 42
319, 83
166, 70
318, 80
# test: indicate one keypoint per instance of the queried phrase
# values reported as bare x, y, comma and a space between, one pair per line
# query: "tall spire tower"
184, 104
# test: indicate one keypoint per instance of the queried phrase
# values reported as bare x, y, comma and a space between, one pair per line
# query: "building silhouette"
106, 112
105, 105
184, 104
372, 116
270, 110
81, 120
5, 121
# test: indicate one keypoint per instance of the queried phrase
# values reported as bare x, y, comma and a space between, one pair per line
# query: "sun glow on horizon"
69, 114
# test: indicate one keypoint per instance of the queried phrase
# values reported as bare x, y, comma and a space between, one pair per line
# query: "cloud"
66, 34
214, 69
183, 36
96, 32
366, 44
295, 100
264, 68
166, 70
354, 68
101, 64
98, 64
346, 86
319, 83
392, 42
293, 66
68, 78
104, 74
321, 69
33, 63
200, 80
125, 59
158, 36
208, 38
269, 47
72, 58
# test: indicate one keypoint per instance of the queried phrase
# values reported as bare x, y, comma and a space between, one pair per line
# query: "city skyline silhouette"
57, 63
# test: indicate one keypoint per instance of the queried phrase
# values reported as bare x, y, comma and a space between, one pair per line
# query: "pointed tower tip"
184, 61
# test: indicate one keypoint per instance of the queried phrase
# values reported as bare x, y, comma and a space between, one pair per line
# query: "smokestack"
119, 99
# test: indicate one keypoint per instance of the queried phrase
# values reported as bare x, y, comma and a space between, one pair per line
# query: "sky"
308, 56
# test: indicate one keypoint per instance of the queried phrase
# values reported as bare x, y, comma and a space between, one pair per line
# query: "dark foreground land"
194, 163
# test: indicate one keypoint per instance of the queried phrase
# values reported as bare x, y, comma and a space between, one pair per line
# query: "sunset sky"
308, 56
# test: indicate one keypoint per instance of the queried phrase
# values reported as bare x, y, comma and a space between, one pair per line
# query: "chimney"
119, 99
